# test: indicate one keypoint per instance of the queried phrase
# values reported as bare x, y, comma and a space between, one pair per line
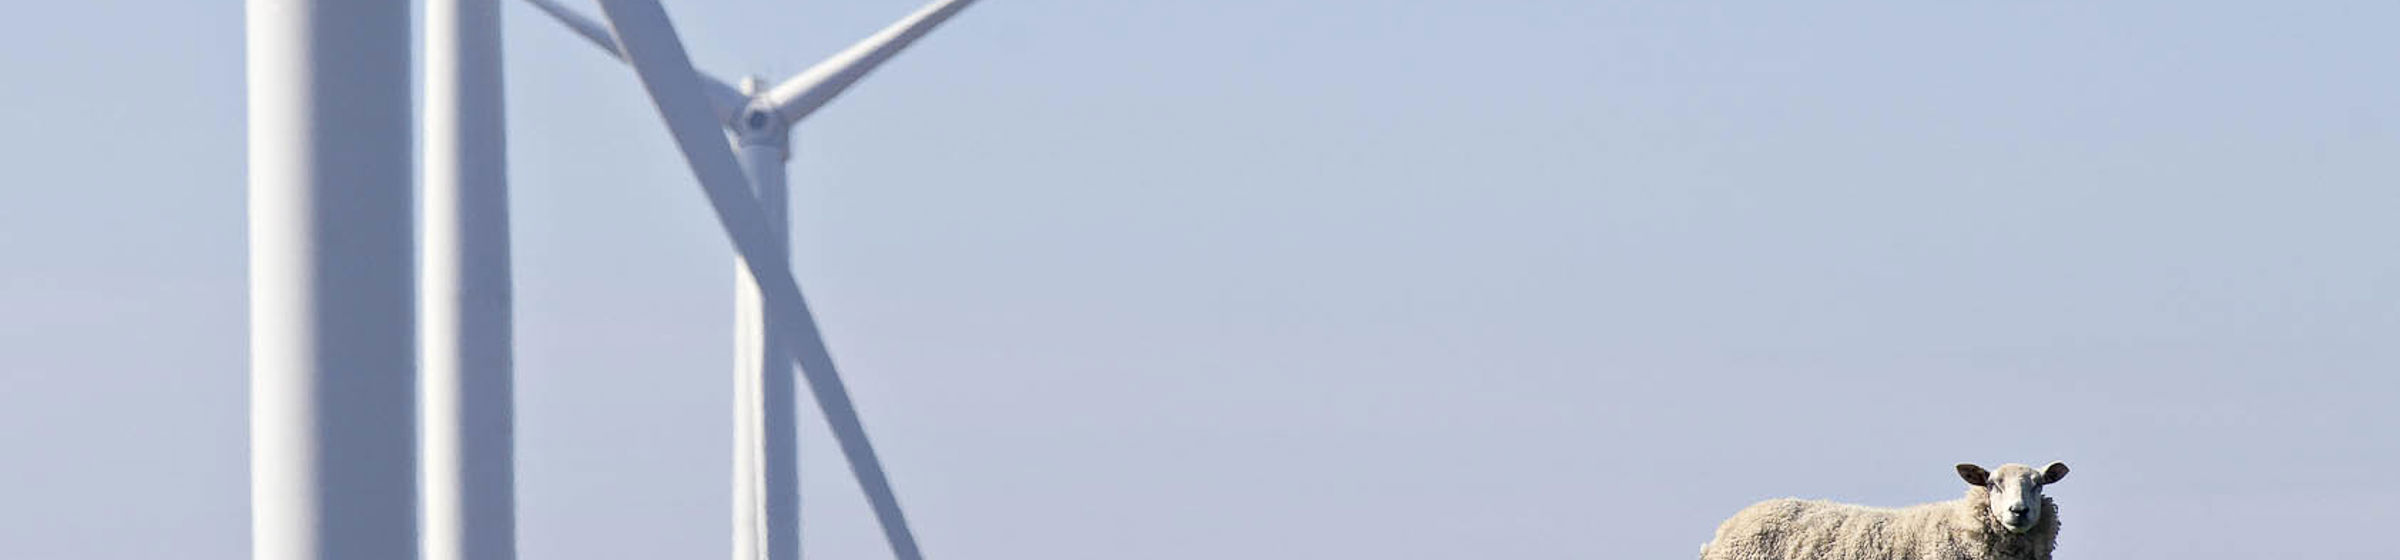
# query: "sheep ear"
1974, 475
2053, 473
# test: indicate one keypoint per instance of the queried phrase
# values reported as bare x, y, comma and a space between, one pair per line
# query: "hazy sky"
1348, 278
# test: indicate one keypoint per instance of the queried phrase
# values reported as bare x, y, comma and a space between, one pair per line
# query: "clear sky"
1348, 278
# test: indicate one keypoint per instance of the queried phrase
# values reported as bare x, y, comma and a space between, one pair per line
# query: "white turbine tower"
332, 309
745, 186
467, 435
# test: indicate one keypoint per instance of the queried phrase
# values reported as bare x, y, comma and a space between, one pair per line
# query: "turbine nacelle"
758, 123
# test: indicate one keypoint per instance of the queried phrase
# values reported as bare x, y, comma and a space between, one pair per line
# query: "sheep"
1995, 521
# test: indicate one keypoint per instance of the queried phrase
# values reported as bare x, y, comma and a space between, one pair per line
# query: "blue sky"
1307, 279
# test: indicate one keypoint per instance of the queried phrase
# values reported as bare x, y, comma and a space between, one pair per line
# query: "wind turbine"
747, 192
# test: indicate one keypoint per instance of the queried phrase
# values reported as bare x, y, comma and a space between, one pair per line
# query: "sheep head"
2016, 491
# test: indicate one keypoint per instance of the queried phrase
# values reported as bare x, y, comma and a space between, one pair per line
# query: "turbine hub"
759, 125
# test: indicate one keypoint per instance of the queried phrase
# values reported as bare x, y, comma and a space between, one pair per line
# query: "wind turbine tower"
468, 431
332, 305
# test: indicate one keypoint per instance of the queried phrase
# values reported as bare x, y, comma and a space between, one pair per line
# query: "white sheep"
1997, 520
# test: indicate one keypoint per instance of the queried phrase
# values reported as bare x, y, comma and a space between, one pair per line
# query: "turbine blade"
725, 101
590, 30
666, 71
812, 88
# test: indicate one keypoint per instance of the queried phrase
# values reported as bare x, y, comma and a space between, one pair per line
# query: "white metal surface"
466, 389
332, 308
766, 436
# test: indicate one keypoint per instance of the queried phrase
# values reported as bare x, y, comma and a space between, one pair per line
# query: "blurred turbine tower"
332, 308
745, 186
467, 434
